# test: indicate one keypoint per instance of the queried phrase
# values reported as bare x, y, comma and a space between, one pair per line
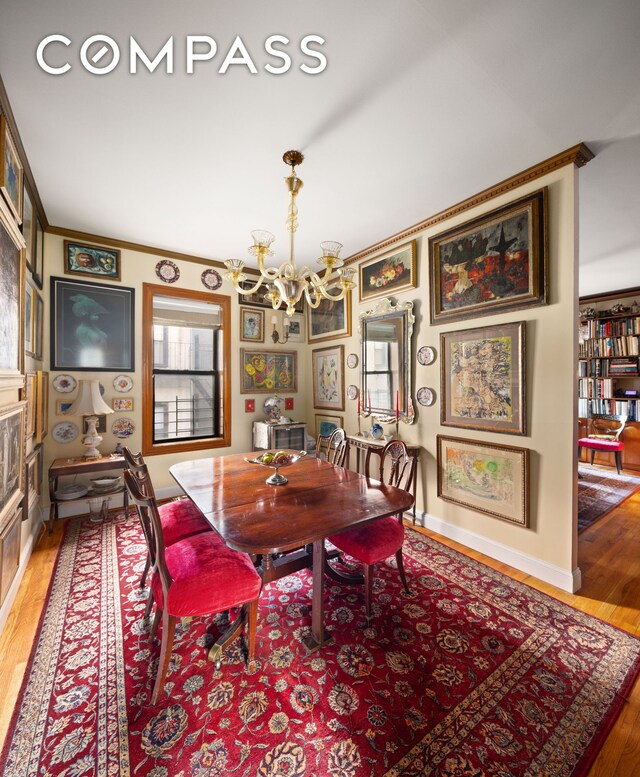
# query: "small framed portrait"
390, 273
84, 259
296, 327
252, 325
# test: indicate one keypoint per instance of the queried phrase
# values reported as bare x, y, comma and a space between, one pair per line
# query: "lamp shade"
89, 400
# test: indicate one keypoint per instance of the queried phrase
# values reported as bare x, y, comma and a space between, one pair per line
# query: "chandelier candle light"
286, 283
89, 403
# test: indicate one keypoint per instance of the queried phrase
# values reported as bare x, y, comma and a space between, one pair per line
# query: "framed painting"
38, 325
494, 263
28, 226
11, 171
11, 303
29, 306
328, 377
327, 424
38, 255
390, 273
91, 326
12, 441
63, 405
84, 259
487, 477
483, 378
264, 372
331, 319
257, 297
252, 325
42, 405
32, 483
122, 405
296, 328
30, 395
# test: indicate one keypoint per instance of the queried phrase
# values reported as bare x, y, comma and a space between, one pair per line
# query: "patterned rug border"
590, 470
69, 544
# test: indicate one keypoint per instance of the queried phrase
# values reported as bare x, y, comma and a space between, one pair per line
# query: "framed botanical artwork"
483, 378
38, 255
252, 325
11, 303
10, 171
84, 259
257, 297
487, 477
12, 441
328, 377
28, 226
264, 372
38, 325
296, 328
91, 326
390, 273
494, 263
42, 405
327, 424
122, 404
331, 319
29, 305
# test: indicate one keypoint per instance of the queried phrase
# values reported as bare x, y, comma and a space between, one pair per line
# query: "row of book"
604, 368
614, 328
628, 407
609, 346
595, 387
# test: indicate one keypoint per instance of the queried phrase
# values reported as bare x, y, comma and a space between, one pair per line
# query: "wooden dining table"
286, 526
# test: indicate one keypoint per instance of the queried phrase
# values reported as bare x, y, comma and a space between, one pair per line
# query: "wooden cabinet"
609, 369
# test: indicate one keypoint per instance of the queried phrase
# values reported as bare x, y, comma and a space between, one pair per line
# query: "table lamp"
89, 403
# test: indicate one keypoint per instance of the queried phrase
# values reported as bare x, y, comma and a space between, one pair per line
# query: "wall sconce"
274, 334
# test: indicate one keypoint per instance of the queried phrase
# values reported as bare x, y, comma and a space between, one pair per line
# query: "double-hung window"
186, 355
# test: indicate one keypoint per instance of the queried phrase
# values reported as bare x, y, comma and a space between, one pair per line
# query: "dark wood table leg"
319, 635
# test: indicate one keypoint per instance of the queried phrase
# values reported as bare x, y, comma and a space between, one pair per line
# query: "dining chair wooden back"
337, 447
376, 541
196, 576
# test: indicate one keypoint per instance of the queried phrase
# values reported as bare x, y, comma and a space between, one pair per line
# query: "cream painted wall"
551, 336
137, 268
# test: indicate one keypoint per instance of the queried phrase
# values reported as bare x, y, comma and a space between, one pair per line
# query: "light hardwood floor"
610, 563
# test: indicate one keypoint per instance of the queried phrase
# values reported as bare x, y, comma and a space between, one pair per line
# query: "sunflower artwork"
267, 371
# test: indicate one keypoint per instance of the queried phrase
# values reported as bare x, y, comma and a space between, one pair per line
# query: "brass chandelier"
286, 283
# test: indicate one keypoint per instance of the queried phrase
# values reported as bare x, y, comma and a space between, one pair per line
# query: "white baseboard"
563, 579
25, 555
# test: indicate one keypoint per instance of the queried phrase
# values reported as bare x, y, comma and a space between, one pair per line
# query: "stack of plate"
105, 485
72, 491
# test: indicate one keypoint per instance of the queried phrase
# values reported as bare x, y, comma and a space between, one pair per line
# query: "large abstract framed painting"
12, 440
10, 171
494, 263
331, 319
84, 259
91, 326
11, 303
391, 273
487, 477
328, 377
483, 378
263, 372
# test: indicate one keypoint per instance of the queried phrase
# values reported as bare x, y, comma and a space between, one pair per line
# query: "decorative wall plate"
352, 392
425, 396
65, 431
352, 360
123, 427
122, 383
167, 271
211, 279
64, 383
426, 355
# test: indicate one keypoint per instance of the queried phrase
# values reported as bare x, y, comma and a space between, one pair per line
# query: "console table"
364, 444
82, 466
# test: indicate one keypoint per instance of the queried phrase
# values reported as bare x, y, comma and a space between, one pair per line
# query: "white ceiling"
423, 103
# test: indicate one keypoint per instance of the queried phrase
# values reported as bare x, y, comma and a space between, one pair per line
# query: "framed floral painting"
328, 377
390, 273
264, 372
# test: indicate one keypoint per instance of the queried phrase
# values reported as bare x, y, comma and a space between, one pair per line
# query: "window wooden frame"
149, 448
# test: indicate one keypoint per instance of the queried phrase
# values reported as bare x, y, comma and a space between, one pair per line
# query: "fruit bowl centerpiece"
276, 460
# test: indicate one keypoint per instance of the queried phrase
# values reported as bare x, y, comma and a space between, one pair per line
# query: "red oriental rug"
474, 675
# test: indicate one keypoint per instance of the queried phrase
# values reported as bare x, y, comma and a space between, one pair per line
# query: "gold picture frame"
390, 273
10, 171
328, 377
251, 325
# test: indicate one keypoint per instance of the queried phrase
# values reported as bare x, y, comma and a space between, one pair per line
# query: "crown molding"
577, 155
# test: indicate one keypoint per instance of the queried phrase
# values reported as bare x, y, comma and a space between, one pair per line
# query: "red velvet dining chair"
374, 542
179, 518
199, 575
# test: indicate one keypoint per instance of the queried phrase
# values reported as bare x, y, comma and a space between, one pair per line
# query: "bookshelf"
609, 367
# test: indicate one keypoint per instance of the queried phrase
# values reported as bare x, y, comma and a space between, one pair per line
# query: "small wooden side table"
82, 466
363, 444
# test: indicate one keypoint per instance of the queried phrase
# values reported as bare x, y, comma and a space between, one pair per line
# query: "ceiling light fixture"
286, 284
